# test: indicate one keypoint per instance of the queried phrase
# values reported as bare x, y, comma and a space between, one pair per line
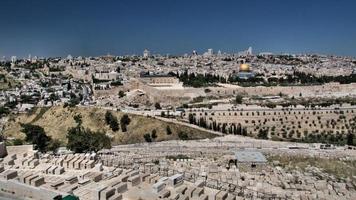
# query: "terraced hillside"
328, 125
57, 120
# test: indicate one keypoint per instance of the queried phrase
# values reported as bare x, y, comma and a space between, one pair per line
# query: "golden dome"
244, 68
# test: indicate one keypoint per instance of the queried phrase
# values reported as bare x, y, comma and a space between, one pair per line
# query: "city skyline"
188, 100
80, 28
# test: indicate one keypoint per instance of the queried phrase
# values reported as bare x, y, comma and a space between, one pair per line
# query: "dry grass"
338, 168
57, 120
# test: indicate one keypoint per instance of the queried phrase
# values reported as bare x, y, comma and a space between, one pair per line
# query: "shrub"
183, 136
17, 141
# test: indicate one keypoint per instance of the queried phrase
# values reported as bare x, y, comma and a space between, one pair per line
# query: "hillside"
57, 120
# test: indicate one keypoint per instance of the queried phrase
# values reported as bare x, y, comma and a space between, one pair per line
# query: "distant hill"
57, 120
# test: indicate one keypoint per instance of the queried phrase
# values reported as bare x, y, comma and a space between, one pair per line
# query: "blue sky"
93, 27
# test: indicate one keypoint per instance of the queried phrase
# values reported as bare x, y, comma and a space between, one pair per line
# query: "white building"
249, 51
146, 53
107, 75
69, 57
208, 53
265, 54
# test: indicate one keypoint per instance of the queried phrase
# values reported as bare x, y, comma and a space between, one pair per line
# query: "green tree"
202, 122
78, 119
168, 130
191, 118
111, 120
108, 117
121, 94
4, 111
350, 139
54, 145
244, 131
37, 136
74, 100
53, 97
124, 121
147, 137
263, 134
82, 140
238, 99
183, 135
158, 106
154, 134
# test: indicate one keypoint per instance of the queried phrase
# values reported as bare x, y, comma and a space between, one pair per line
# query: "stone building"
159, 80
